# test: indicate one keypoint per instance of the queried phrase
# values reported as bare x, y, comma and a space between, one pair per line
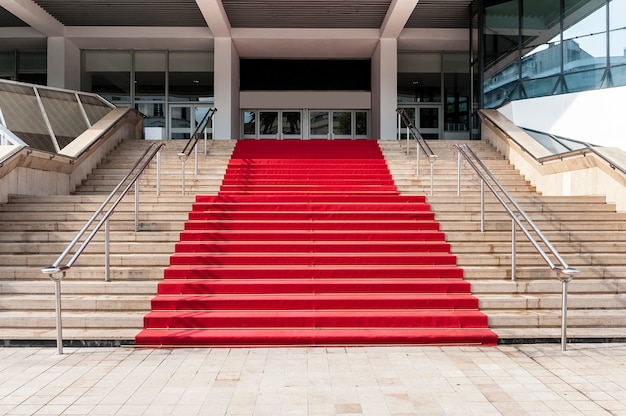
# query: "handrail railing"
573, 153
563, 271
105, 210
193, 142
420, 144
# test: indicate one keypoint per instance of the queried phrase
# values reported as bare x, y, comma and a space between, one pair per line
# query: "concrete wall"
37, 173
577, 174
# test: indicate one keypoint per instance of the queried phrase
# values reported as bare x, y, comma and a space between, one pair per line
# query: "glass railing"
47, 118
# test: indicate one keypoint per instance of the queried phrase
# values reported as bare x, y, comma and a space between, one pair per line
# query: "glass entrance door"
184, 118
427, 118
272, 124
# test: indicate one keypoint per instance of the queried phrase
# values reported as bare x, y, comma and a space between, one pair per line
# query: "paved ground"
587, 379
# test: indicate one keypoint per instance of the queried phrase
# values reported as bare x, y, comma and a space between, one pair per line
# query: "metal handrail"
193, 142
420, 144
105, 210
588, 148
563, 271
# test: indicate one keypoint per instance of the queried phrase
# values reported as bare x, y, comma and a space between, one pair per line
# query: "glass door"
319, 124
291, 124
268, 124
427, 119
181, 121
184, 118
342, 125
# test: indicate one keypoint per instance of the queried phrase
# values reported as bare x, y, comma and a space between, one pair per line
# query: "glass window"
320, 121
191, 76
501, 32
342, 123
64, 114
268, 122
249, 123
457, 90
107, 73
419, 77
617, 40
361, 123
150, 75
584, 39
541, 35
291, 123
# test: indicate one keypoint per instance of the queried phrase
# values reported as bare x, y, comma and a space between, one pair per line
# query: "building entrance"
184, 118
305, 124
427, 118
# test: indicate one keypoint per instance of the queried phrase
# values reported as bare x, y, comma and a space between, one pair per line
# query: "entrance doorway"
427, 118
305, 124
184, 118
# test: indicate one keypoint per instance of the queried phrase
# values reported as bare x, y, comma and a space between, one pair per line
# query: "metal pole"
107, 252
564, 315
196, 156
407, 141
513, 253
136, 206
183, 175
57, 297
417, 159
399, 128
432, 169
482, 206
458, 173
158, 184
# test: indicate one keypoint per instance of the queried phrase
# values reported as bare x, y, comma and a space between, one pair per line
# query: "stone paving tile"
587, 379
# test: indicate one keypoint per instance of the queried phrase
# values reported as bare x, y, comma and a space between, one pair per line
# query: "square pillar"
226, 72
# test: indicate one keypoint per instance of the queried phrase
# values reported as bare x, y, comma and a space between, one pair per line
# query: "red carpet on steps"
309, 243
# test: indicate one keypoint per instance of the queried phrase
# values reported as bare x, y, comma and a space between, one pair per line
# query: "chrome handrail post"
107, 251
513, 251
408, 150
183, 158
158, 181
196, 161
57, 299
482, 206
458, 173
136, 206
432, 159
417, 159
399, 134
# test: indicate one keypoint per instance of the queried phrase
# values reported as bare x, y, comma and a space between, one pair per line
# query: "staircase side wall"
36, 173
581, 174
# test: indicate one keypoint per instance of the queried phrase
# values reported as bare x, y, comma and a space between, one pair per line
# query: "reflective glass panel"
540, 87
419, 77
268, 122
94, 107
249, 123
584, 81
429, 118
618, 74
361, 123
149, 75
63, 112
191, 76
584, 40
617, 35
457, 91
320, 121
107, 73
154, 112
292, 122
23, 116
501, 31
342, 123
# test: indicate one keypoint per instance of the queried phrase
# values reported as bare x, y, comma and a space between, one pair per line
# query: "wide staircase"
309, 243
588, 233
34, 230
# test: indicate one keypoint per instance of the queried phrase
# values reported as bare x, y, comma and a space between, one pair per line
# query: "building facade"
318, 68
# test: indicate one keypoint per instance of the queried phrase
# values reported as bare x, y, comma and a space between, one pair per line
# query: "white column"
226, 72
384, 89
63, 64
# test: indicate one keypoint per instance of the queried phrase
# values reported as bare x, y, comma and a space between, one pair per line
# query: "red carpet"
309, 243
